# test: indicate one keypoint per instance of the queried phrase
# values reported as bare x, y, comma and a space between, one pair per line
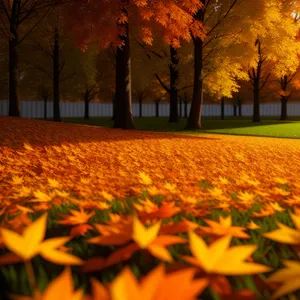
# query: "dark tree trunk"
86, 105
123, 118
140, 105
256, 114
45, 107
157, 109
222, 108
256, 78
284, 98
113, 97
194, 119
14, 101
185, 109
56, 71
234, 110
180, 106
173, 85
239, 105
283, 115
185, 102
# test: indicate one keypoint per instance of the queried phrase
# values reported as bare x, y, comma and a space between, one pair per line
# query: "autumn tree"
287, 60
218, 19
85, 18
170, 68
16, 24
56, 55
269, 32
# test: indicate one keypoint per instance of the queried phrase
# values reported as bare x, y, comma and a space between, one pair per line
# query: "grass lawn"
111, 204
269, 126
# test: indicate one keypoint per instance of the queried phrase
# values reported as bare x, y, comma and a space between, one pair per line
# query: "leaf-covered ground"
100, 187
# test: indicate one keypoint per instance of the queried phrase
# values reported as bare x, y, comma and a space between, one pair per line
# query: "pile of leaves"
95, 213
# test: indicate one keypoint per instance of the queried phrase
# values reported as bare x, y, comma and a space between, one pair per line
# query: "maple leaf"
24, 191
17, 180
178, 227
220, 259
41, 197
144, 179
224, 227
49, 251
156, 285
61, 288
166, 210
31, 243
252, 225
26, 245
276, 206
80, 229
118, 234
144, 238
107, 196
286, 234
264, 212
53, 183
289, 277
77, 217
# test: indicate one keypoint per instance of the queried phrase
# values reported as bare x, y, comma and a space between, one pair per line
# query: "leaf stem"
31, 278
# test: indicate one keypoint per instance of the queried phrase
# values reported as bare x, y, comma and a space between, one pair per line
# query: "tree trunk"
113, 98
222, 108
180, 106
45, 107
86, 105
185, 109
194, 120
157, 109
284, 98
173, 86
256, 114
239, 105
283, 108
123, 117
13, 44
234, 110
56, 71
140, 105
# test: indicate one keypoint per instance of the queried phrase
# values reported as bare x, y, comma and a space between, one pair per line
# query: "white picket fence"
35, 109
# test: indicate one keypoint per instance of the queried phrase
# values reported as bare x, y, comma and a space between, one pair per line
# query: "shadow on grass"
161, 124
14, 132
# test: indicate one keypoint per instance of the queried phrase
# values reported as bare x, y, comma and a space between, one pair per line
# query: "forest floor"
269, 126
89, 191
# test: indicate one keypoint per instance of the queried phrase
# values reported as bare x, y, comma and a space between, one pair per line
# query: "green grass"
268, 127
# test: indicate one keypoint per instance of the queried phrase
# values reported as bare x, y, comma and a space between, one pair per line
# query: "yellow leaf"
284, 234
219, 258
144, 236
144, 178
60, 257
289, 277
160, 252
26, 245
